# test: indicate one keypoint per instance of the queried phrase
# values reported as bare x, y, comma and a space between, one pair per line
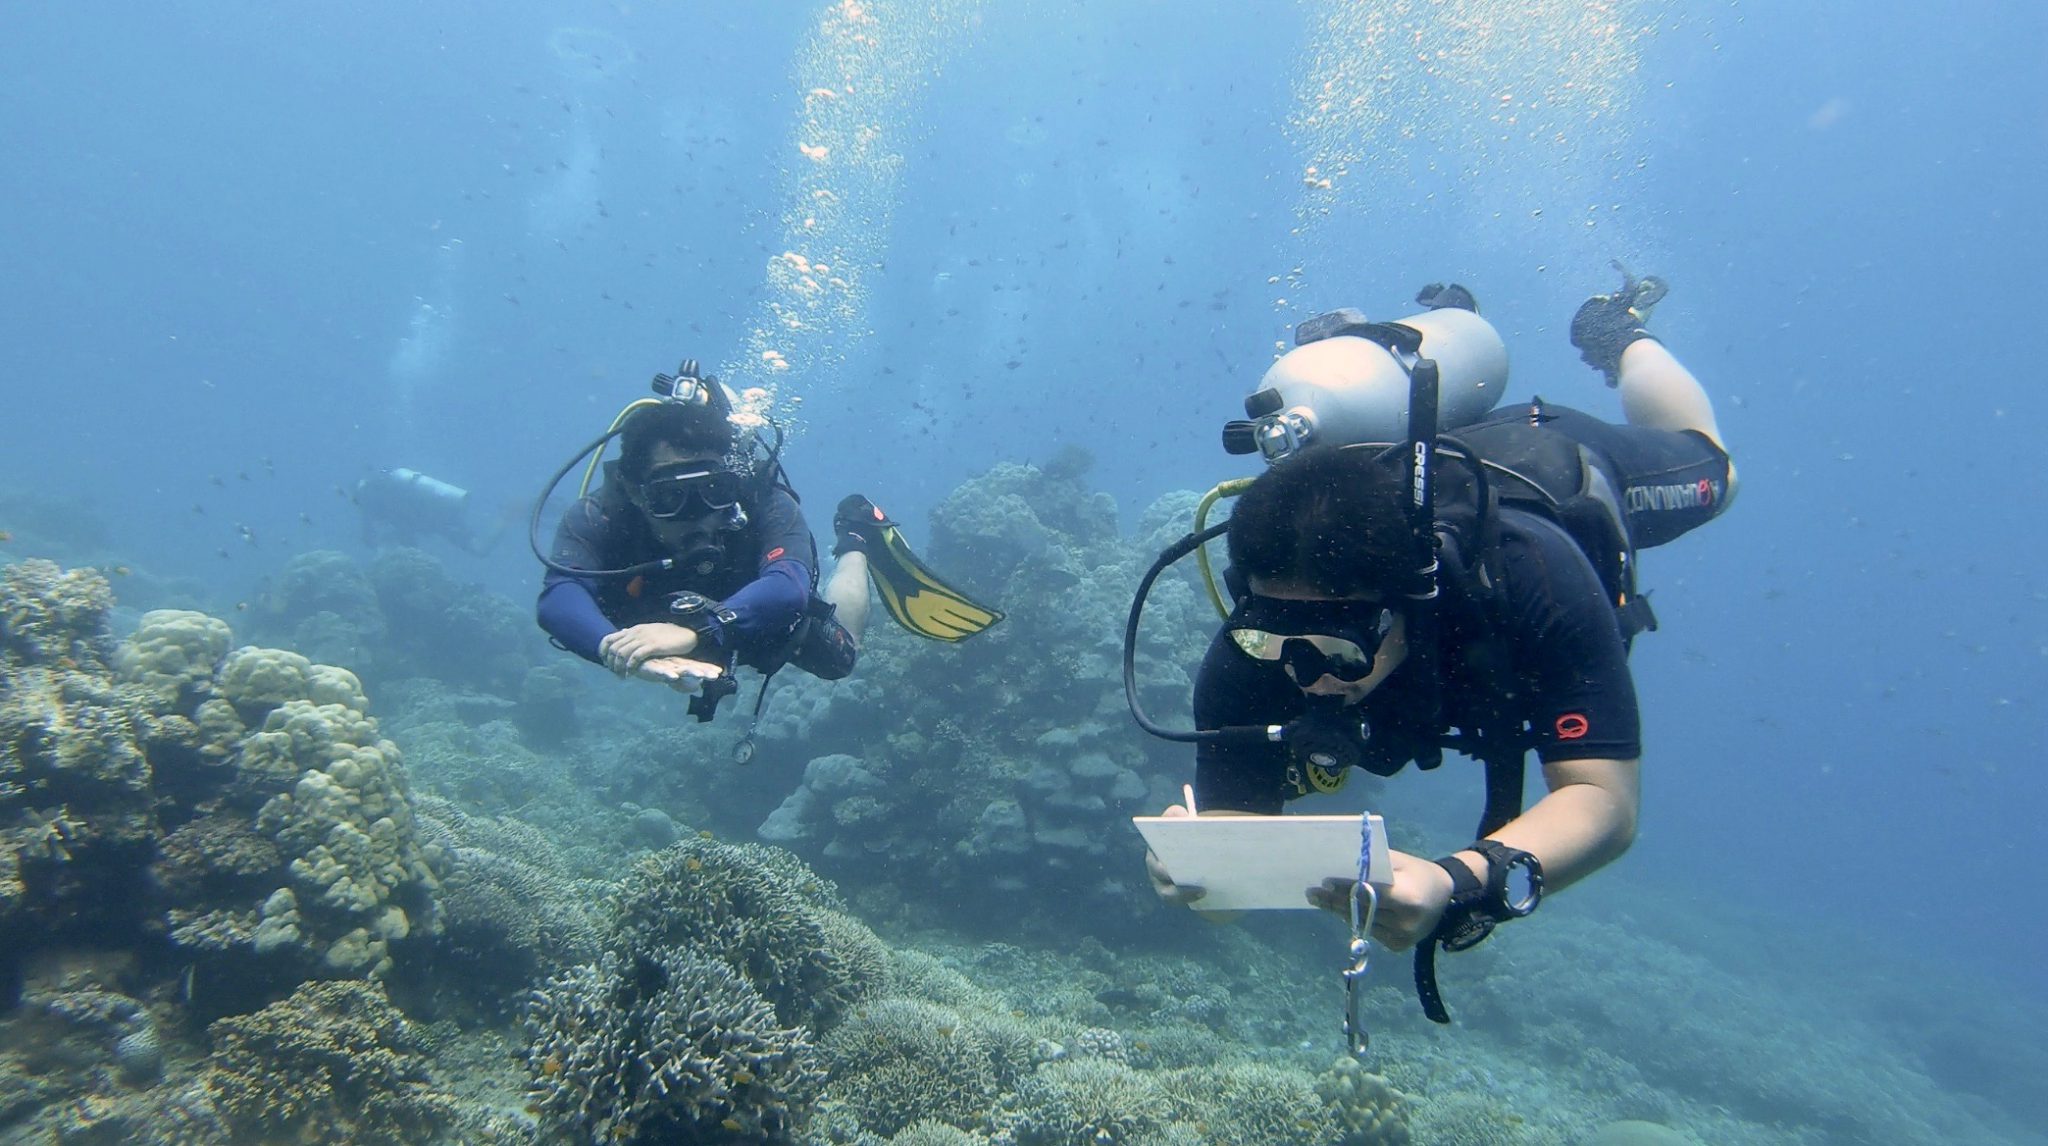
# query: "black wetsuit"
1567, 676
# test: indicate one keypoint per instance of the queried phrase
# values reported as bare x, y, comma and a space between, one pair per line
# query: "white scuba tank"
1347, 389
433, 489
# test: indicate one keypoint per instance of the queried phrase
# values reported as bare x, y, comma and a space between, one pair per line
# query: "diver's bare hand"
625, 651
1408, 910
680, 673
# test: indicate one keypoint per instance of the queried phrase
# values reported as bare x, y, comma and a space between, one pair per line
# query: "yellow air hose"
1230, 488
590, 471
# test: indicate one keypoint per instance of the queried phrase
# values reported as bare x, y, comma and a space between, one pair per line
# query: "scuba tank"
427, 489
1348, 380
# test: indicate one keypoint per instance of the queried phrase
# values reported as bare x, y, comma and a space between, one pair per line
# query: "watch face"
1523, 887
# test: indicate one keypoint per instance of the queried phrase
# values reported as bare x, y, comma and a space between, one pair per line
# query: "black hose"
1250, 734
540, 506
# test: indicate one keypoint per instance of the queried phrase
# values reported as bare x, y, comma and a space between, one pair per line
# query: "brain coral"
666, 1046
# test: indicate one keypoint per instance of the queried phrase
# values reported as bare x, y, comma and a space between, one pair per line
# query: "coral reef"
762, 911
1084, 1102
1014, 799
335, 1060
241, 802
666, 1045
896, 1062
511, 912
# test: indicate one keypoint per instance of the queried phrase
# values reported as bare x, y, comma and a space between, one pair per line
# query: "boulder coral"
240, 802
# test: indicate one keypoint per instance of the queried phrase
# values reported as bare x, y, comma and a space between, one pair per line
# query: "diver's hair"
687, 429
1328, 519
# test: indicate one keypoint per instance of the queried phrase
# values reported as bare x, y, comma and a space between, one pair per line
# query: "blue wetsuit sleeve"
766, 610
568, 608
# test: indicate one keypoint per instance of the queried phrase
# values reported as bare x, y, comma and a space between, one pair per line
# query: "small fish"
693, 864
122, 571
216, 479
706, 835
6, 536
733, 1124
198, 508
223, 552
305, 518
742, 1076
240, 606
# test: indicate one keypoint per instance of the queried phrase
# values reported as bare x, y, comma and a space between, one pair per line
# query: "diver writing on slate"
1416, 570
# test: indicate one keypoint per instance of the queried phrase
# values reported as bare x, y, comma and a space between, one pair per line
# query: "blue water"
254, 253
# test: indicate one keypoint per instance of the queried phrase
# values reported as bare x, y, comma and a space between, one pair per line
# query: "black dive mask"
678, 491
1312, 639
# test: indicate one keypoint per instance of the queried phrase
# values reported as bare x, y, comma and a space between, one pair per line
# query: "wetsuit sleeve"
568, 608
1568, 645
1232, 690
766, 609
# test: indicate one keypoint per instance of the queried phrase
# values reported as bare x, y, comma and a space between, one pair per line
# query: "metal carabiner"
1356, 1038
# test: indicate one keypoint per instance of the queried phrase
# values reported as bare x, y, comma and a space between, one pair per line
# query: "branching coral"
895, 1062
763, 912
666, 1045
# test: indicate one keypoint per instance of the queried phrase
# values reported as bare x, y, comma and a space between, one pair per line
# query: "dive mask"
1312, 639
675, 492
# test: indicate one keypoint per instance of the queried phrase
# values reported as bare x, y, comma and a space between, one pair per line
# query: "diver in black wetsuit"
1524, 641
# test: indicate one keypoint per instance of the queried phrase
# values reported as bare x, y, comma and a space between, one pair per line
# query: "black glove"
1607, 324
1437, 296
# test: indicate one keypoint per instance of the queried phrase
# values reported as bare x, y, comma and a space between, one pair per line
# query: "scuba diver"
1414, 572
694, 557
406, 507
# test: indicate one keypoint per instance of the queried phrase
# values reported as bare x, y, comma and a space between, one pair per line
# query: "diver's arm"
568, 608
765, 609
1586, 822
570, 614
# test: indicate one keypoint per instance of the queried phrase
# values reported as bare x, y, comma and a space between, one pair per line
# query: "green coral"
335, 1062
1252, 1104
933, 1133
